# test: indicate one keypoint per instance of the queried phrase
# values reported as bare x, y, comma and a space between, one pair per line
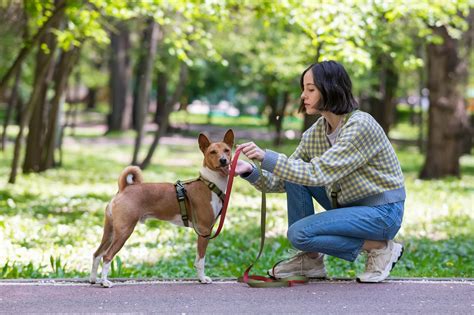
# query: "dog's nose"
223, 161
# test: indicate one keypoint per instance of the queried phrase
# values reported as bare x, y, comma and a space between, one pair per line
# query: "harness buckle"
180, 191
181, 195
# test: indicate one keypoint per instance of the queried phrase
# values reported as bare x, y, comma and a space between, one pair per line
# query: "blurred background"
90, 86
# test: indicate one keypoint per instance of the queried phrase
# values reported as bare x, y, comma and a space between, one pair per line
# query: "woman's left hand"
252, 151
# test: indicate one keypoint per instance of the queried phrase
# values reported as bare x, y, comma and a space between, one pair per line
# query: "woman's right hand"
243, 167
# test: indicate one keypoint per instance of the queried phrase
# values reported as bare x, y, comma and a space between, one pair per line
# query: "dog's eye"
213, 152
227, 151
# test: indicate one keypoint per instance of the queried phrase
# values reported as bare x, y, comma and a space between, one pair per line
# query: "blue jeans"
337, 232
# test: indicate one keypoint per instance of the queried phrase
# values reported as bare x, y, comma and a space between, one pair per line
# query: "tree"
120, 77
143, 81
37, 129
15, 16
39, 90
448, 65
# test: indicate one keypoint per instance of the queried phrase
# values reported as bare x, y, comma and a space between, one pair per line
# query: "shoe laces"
294, 255
372, 260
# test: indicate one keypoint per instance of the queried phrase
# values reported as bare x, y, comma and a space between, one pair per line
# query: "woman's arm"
268, 181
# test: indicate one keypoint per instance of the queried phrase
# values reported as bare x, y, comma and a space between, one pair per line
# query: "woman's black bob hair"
335, 86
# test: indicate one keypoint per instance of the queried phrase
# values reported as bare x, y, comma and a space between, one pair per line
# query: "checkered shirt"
361, 163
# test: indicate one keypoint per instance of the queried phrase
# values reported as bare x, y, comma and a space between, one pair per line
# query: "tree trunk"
164, 123
91, 98
120, 75
388, 88
381, 104
40, 78
162, 96
12, 104
66, 63
39, 120
448, 122
150, 38
57, 15
271, 100
14, 100
280, 117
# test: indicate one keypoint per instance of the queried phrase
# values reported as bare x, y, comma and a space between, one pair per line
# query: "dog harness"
181, 195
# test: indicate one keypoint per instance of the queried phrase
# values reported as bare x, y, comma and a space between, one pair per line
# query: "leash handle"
228, 190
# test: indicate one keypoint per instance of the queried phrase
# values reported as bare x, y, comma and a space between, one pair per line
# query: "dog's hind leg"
200, 260
121, 234
104, 244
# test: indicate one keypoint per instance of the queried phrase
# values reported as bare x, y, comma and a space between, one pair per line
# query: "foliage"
51, 223
235, 49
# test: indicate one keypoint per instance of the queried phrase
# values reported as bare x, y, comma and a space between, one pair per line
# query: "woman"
346, 162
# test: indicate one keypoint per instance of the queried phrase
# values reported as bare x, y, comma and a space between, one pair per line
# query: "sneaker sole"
316, 275
386, 273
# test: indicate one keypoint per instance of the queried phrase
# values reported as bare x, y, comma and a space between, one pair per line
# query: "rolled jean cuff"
357, 251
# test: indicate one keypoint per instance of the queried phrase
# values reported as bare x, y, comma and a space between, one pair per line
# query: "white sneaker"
300, 265
380, 262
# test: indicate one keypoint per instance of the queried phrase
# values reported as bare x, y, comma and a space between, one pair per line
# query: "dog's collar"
213, 187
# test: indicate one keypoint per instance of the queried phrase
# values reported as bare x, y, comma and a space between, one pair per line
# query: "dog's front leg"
200, 260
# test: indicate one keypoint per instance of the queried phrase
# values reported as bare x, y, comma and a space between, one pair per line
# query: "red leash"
254, 281
228, 190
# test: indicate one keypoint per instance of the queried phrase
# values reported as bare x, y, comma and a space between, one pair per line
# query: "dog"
136, 201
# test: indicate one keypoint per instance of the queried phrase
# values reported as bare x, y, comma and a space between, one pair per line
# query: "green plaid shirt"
361, 163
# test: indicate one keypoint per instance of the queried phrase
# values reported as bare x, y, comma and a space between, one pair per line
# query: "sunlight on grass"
51, 223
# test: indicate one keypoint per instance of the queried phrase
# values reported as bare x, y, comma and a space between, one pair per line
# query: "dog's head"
217, 155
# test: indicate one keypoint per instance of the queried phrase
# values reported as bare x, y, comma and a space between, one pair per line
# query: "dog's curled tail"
131, 175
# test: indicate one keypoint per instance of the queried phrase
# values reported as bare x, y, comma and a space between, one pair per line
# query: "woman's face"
310, 94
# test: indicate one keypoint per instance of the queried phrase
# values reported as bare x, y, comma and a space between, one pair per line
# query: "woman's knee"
297, 237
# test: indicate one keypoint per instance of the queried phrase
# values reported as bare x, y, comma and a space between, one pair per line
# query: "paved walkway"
228, 297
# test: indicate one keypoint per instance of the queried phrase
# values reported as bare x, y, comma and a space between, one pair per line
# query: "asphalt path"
229, 297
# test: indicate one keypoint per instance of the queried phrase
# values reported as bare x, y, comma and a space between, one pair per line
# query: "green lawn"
51, 223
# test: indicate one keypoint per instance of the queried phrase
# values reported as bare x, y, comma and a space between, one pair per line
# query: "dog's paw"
93, 280
107, 284
205, 279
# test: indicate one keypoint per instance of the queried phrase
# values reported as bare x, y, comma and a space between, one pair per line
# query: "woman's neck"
332, 119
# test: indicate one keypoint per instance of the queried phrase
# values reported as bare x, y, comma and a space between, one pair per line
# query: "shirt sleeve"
269, 182
355, 146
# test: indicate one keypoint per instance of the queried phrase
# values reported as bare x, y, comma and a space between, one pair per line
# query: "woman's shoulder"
361, 116
362, 125
318, 125
362, 119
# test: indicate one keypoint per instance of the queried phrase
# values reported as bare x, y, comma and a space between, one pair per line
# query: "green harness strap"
181, 195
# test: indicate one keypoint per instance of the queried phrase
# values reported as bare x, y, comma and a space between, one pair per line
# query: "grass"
51, 223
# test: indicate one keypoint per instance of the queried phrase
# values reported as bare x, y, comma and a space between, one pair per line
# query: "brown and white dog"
137, 201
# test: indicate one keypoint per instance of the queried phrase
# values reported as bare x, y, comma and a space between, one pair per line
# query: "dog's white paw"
107, 284
92, 280
205, 279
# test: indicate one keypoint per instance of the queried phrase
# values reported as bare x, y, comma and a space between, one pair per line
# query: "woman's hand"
243, 167
252, 151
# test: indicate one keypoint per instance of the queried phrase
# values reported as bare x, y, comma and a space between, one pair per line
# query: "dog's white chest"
216, 204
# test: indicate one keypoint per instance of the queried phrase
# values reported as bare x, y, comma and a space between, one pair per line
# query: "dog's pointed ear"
229, 138
203, 142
